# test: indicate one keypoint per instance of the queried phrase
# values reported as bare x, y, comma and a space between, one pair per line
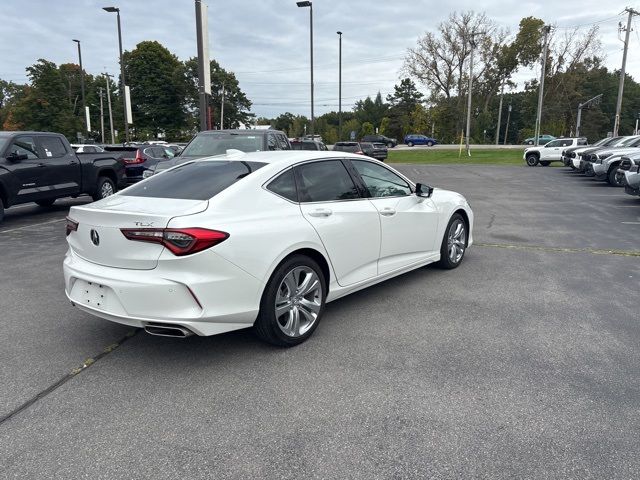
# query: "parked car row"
615, 160
551, 151
379, 151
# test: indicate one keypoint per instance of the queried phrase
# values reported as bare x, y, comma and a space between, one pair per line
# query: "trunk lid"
99, 239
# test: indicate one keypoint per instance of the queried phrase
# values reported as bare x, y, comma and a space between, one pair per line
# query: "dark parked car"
308, 145
142, 159
41, 167
380, 151
351, 147
412, 140
389, 142
217, 142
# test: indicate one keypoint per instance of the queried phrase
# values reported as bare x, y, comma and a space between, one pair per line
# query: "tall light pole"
593, 100
122, 80
473, 46
506, 128
101, 117
84, 102
113, 137
543, 72
304, 4
222, 108
499, 114
339, 85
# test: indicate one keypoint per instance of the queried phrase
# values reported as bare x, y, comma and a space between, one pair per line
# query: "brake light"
180, 241
139, 158
72, 226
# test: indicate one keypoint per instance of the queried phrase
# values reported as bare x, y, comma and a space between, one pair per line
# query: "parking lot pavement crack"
540, 248
74, 372
491, 220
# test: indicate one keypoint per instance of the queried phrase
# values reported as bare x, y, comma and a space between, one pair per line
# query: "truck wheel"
390, 145
45, 203
611, 178
104, 189
532, 160
545, 163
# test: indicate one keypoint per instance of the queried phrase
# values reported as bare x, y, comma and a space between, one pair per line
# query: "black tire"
429, 144
267, 325
1, 210
46, 203
390, 145
545, 163
446, 261
532, 160
101, 188
410, 144
611, 177
529, 142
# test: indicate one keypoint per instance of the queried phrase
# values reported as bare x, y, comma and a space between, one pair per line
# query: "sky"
266, 43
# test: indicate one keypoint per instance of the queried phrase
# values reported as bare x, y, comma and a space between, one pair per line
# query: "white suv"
551, 152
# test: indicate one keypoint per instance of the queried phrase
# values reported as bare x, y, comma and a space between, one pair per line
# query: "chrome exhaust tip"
175, 331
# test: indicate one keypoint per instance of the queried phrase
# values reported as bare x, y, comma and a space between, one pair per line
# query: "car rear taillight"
180, 241
139, 158
72, 226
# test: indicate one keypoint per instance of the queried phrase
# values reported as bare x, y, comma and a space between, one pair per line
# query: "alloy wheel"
298, 301
106, 190
456, 241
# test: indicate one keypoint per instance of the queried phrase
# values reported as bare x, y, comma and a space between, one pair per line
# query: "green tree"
403, 101
366, 129
155, 77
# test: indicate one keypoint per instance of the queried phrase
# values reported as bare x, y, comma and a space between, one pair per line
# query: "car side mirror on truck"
423, 190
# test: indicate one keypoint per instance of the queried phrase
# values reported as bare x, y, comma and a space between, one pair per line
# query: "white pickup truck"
551, 152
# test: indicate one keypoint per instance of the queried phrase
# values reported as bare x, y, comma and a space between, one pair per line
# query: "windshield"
208, 144
199, 180
628, 141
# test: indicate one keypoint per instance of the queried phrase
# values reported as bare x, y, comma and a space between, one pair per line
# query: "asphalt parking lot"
523, 362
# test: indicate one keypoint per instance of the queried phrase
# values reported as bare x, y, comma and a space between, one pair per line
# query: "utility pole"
113, 137
204, 69
473, 46
594, 100
499, 114
84, 103
546, 29
506, 128
339, 85
616, 124
222, 109
101, 117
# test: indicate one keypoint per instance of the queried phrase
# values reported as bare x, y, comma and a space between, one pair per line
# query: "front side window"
283, 143
200, 180
380, 181
52, 147
325, 182
554, 143
24, 146
285, 186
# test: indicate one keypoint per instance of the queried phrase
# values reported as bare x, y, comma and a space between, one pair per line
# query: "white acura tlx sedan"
259, 239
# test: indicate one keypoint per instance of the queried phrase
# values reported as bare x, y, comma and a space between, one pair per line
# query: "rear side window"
194, 181
52, 147
325, 182
285, 186
283, 143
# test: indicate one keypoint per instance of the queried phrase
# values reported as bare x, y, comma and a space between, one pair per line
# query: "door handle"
387, 212
320, 212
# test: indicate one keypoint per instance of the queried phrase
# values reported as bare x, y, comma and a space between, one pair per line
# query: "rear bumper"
206, 294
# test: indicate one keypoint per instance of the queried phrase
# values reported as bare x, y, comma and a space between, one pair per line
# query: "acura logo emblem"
95, 238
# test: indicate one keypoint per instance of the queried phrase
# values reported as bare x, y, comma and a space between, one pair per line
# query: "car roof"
280, 157
240, 131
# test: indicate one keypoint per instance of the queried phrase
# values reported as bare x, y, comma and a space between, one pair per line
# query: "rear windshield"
210, 144
194, 181
347, 148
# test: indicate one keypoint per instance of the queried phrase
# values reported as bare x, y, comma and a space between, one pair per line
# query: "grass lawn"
436, 156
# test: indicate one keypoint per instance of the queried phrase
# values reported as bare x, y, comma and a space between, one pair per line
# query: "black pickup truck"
41, 167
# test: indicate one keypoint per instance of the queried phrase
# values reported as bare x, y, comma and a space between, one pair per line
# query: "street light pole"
543, 71
101, 117
506, 128
308, 3
113, 137
122, 79
84, 102
339, 85
222, 109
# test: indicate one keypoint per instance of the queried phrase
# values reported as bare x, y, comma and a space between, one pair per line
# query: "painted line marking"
32, 225
630, 223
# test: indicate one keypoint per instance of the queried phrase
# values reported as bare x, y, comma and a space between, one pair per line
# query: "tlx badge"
143, 224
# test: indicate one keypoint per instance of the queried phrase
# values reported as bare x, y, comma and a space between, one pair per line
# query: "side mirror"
15, 157
423, 190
